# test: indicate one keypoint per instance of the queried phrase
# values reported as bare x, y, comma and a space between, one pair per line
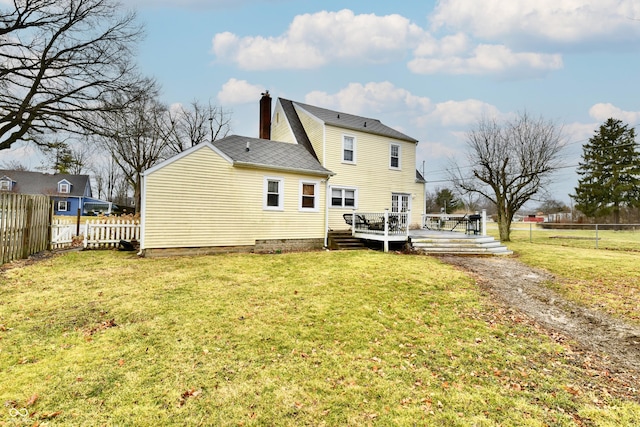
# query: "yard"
322, 338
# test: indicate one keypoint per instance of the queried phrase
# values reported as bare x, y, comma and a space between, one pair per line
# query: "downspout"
326, 187
143, 212
326, 212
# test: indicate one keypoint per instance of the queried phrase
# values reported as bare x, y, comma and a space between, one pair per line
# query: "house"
282, 191
68, 192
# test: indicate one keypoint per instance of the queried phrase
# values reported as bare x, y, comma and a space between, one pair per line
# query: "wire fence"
599, 236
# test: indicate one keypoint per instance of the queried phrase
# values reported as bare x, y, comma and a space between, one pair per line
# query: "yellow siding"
201, 200
371, 174
280, 130
315, 131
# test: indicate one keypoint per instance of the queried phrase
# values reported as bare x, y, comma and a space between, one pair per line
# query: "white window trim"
316, 198
63, 203
343, 188
5, 185
280, 181
355, 144
391, 145
62, 185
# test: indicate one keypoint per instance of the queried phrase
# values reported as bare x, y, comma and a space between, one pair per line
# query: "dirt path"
522, 287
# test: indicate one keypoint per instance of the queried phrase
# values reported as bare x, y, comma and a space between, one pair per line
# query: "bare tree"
185, 127
13, 165
61, 61
132, 135
510, 163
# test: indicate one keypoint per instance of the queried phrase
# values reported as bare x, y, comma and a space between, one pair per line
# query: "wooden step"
343, 240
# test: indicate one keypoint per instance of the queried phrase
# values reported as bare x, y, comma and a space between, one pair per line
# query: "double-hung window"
394, 156
348, 149
5, 185
64, 187
343, 197
273, 194
308, 196
63, 206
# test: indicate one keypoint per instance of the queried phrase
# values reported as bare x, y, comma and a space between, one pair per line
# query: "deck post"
353, 223
386, 230
484, 222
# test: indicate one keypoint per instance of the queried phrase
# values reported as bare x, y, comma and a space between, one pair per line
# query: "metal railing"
465, 223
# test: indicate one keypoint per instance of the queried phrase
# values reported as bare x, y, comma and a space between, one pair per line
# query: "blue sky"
430, 69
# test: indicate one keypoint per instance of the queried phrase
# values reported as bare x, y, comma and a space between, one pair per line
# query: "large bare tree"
185, 127
61, 61
132, 136
509, 163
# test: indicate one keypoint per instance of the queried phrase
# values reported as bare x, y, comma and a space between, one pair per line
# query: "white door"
401, 203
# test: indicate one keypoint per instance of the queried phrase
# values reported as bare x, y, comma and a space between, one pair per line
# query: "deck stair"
450, 244
343, 240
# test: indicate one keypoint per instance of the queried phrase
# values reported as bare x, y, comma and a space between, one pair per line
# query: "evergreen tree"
609, 171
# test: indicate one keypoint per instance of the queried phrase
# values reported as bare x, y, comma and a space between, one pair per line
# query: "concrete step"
462, 246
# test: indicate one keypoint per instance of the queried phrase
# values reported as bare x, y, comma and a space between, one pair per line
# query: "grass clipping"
326, 338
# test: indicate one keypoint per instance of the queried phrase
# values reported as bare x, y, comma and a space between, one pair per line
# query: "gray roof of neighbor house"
264, 153
43, 183
343, 120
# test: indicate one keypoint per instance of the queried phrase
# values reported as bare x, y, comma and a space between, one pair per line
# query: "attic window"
64, 187
5, 185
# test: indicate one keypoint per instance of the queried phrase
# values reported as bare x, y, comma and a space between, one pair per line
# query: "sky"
430, 69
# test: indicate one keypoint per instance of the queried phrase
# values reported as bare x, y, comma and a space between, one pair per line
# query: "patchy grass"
603, 280
325, 338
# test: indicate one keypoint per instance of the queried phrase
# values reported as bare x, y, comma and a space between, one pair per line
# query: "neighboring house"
282, 191
68, 192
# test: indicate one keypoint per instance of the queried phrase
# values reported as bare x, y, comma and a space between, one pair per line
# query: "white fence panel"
107, 233
62, 233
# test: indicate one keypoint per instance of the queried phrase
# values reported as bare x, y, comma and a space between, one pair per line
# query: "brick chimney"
265, 116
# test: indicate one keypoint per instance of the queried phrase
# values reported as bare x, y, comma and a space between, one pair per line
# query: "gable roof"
342, 120
269, 154
43, 183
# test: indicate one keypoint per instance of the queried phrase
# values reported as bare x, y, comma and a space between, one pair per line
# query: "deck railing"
465, 223
382, 226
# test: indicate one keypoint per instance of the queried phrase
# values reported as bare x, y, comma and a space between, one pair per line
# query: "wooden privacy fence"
24, 225
107, 233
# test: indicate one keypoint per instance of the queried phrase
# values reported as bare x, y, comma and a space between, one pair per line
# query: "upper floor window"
348, 149
394, 156
308, 196
273, 194
63, 206
64, 187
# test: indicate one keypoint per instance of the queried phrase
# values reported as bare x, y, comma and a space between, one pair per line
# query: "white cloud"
236, 92
373, 97
313, 40
462, 113
526, 21
601, 112
487, 59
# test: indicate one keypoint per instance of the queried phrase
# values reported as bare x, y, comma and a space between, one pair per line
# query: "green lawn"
323, 338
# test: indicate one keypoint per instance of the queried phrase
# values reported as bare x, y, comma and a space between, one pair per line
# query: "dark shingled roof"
346, 121
270, 155
44, 183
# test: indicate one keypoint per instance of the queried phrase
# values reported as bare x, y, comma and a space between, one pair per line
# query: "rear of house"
374, 165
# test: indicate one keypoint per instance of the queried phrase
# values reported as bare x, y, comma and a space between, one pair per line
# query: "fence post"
26, 235
596, 236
